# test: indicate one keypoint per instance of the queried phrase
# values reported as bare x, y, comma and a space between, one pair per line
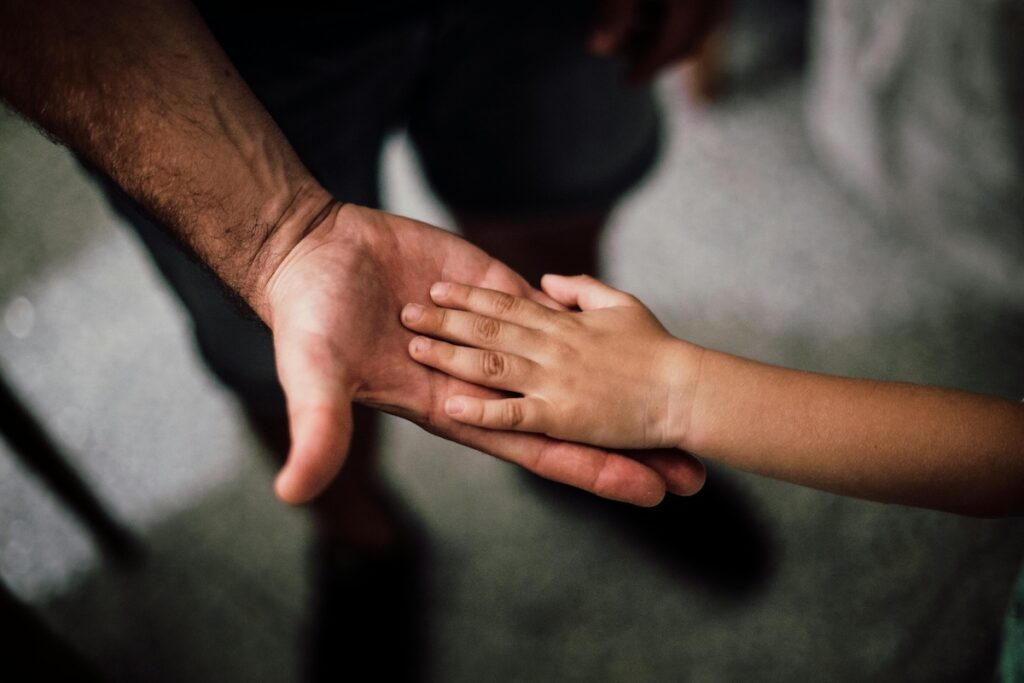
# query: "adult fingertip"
649, 496
653, 497
692, 484
642, 488
289, 489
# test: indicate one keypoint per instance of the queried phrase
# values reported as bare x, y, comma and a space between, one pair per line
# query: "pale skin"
144, 92
609, 374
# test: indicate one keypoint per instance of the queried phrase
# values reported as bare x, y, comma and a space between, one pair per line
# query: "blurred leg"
531, 142
530, 139
519, 128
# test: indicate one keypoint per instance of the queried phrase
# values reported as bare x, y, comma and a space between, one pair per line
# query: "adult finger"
684, 475
493, 369
606, 474
584, 292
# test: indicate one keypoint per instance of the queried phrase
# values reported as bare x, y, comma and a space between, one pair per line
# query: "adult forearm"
144, 92
885, 441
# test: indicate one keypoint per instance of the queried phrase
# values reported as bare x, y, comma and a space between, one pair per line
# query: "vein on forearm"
144, 93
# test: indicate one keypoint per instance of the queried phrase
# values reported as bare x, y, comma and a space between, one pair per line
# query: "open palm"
335, 303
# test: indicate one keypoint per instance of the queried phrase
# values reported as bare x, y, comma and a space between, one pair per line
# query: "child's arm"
611, 375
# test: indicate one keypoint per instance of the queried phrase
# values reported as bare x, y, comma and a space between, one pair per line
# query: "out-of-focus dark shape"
369, 621
33, 446
369, 609
754, 45
651, 34
714, 538
32, 652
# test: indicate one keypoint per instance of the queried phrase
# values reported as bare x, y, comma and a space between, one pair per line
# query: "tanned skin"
143, 92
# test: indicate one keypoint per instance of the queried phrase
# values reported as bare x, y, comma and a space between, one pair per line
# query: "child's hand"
609, 375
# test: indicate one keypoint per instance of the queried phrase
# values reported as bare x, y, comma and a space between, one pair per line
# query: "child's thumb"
583, 292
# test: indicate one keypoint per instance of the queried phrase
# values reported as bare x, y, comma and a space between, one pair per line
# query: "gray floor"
738, 241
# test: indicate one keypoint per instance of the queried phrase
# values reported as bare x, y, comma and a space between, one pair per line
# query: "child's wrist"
684, 376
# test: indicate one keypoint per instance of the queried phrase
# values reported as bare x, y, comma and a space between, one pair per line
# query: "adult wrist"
288, 220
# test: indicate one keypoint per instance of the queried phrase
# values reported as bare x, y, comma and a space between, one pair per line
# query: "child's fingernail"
412, 313
439, 289
454, 406
420, 344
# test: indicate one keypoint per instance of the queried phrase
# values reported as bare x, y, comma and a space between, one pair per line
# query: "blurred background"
840, 191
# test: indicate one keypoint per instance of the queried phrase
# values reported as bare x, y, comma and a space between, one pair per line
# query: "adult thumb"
319, 420
320, 438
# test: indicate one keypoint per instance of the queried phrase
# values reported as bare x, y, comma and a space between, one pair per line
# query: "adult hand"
652, 33
333, 304
609, 375
184, 136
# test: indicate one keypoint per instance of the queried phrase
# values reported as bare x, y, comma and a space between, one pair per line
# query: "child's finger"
584, 292
517, 414
468, 328
493, 304
487, 368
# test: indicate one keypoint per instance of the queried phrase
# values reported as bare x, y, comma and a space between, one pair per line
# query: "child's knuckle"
486, 329
512, 414
494, 365
443, 319
504, 304
561, 351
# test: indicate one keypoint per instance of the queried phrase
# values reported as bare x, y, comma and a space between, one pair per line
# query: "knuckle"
564, 323
504, 303
561, 350
512, 414
486, 329
494, 364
